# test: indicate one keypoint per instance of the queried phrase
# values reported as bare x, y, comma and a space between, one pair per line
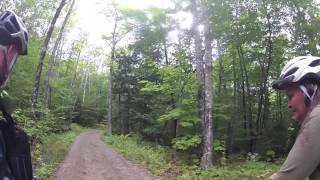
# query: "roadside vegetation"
53, 149
170, 164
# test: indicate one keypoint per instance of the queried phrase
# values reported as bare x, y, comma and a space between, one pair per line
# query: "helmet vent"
8, 26
291, 72
5, 16
315, 63
15, 22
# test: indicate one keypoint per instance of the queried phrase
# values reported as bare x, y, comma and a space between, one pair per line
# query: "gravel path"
91, 159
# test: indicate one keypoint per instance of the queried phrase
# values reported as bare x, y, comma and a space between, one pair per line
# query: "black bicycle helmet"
13, 30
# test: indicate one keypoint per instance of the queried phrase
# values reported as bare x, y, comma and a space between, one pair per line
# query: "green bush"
52, 151
171, 165
186, 142
239, 170
133, 148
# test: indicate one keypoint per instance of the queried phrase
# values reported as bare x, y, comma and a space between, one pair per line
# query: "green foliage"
219, 146
51, 122
187, 119
270, 156
186, 142
162, 162
154, 157
52, 150
237, 170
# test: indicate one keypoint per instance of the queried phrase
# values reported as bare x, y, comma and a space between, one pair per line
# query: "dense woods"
195, 77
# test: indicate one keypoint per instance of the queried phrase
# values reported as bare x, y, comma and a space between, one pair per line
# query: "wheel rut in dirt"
91, 159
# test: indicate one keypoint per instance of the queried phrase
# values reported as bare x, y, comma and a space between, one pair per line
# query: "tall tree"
116, 36
52, 60
42, 56
203, 59
207, 122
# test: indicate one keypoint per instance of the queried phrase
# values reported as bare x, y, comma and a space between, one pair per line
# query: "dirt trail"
91, 159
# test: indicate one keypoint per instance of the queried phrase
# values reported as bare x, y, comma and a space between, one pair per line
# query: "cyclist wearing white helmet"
13, 42
300, 78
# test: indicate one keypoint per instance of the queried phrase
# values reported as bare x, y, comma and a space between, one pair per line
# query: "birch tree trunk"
43, 52
86, 76
206, 159
204, 72
52, 60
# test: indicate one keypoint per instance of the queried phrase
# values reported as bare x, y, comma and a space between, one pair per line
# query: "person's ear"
12, 50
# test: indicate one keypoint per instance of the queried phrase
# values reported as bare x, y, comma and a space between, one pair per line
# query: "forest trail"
91, 159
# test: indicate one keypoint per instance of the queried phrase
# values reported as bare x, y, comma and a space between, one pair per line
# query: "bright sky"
91, 20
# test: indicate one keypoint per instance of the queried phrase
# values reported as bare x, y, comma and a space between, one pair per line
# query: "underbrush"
155, 158
236, 170
169, 164
52, 150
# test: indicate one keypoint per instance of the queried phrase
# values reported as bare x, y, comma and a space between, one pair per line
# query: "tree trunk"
265, 66
204, 73
165, 51
175, 121
269, 51
114, 42
230, 131
279, 104
266, 113
86, 76
206, 159
199, 63
76, 71
243, 93
41, 59
110, 95
128, 103
222, 82
53, 56
252, 133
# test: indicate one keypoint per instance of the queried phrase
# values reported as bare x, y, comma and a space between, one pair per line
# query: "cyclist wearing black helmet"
13, 42
300, 78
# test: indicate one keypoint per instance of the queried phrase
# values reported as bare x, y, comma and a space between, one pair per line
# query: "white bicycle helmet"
13, 30
299, 70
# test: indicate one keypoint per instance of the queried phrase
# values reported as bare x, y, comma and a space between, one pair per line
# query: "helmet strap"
306, 93
307, 101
